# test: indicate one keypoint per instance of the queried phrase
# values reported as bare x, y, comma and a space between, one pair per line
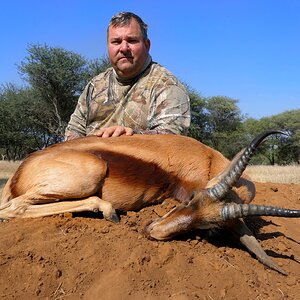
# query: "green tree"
22, 126
97, 66
223, 114
224, 120
35, 116
197, 129
280, 149
57, 77
287, 147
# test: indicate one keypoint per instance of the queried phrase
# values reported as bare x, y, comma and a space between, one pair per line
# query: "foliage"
198, 116
224, 122
216, 122
280, 149
37, 114
97, 66
223, 114
57, 76
22, 125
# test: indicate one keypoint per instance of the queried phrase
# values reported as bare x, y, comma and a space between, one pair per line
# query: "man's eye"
133, 41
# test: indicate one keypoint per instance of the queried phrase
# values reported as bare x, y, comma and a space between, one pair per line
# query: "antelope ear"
197, 196
244, 190
226, 171
186, 198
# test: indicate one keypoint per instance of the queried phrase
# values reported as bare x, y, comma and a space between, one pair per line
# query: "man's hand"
114, 131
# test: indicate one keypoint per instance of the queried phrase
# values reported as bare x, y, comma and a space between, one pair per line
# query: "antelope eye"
192, 196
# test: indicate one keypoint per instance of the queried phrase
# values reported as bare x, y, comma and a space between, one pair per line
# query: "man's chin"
125, 65
125, 71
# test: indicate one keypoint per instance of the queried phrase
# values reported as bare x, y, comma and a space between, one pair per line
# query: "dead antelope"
128, 173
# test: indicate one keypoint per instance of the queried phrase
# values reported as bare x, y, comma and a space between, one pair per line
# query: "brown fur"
125, 172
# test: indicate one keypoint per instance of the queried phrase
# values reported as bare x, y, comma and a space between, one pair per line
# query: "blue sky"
245, 50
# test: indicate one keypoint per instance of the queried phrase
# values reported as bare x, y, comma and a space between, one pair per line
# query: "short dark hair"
123, 18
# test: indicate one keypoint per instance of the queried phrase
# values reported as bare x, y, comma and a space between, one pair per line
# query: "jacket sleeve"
77, 125
170, 111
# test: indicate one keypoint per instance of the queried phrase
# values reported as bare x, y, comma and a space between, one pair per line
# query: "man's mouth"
126, 58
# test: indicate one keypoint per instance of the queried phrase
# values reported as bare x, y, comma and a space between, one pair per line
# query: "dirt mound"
84, 257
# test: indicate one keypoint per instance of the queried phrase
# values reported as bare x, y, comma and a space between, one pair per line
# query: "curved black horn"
233, 211
237, 166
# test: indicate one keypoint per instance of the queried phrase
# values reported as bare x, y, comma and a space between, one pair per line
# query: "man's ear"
147, 44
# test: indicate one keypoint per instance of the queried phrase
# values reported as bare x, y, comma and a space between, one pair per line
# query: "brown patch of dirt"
83, 257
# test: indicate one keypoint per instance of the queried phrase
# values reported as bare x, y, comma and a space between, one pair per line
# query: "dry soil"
85, 257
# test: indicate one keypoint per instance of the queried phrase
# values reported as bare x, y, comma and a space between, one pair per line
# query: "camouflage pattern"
154, 101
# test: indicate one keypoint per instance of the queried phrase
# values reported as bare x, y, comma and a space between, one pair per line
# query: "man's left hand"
114, 131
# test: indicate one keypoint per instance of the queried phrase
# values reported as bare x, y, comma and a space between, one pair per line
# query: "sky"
248, 50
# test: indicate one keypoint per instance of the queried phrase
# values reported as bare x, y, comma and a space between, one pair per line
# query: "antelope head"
210, 208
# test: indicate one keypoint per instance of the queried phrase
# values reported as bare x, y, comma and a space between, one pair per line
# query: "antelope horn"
237, 166
233, 211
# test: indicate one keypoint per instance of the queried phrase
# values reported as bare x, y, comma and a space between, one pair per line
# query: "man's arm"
77, 125
170, 113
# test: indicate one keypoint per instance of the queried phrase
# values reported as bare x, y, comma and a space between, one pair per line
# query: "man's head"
128, 44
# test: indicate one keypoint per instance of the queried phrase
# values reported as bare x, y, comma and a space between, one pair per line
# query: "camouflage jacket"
155, 100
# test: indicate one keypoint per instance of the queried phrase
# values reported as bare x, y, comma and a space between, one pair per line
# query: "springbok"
128, 173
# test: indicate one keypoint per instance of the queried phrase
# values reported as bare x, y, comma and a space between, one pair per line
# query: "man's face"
127, 49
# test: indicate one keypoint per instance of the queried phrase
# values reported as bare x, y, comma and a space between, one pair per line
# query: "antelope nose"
156, 231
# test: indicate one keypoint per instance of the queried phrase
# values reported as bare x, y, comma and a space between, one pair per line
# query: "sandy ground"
85, 257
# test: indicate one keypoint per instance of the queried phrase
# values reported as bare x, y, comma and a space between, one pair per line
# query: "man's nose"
124, 46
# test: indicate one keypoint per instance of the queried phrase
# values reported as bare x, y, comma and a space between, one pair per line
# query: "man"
136, 95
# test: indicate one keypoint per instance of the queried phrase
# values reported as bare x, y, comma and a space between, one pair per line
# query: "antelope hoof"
112, 217
115, 218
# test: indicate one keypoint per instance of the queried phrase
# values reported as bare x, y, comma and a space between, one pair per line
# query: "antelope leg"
22, 207
247, 238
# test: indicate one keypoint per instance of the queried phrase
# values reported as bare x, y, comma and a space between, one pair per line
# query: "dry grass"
275, 174
7, 168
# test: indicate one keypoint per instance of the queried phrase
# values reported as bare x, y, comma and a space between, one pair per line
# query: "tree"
224, 120
280, 149
197, 129
223, 114
287, 147
97, 66
22, 129
35, 116
57, 76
